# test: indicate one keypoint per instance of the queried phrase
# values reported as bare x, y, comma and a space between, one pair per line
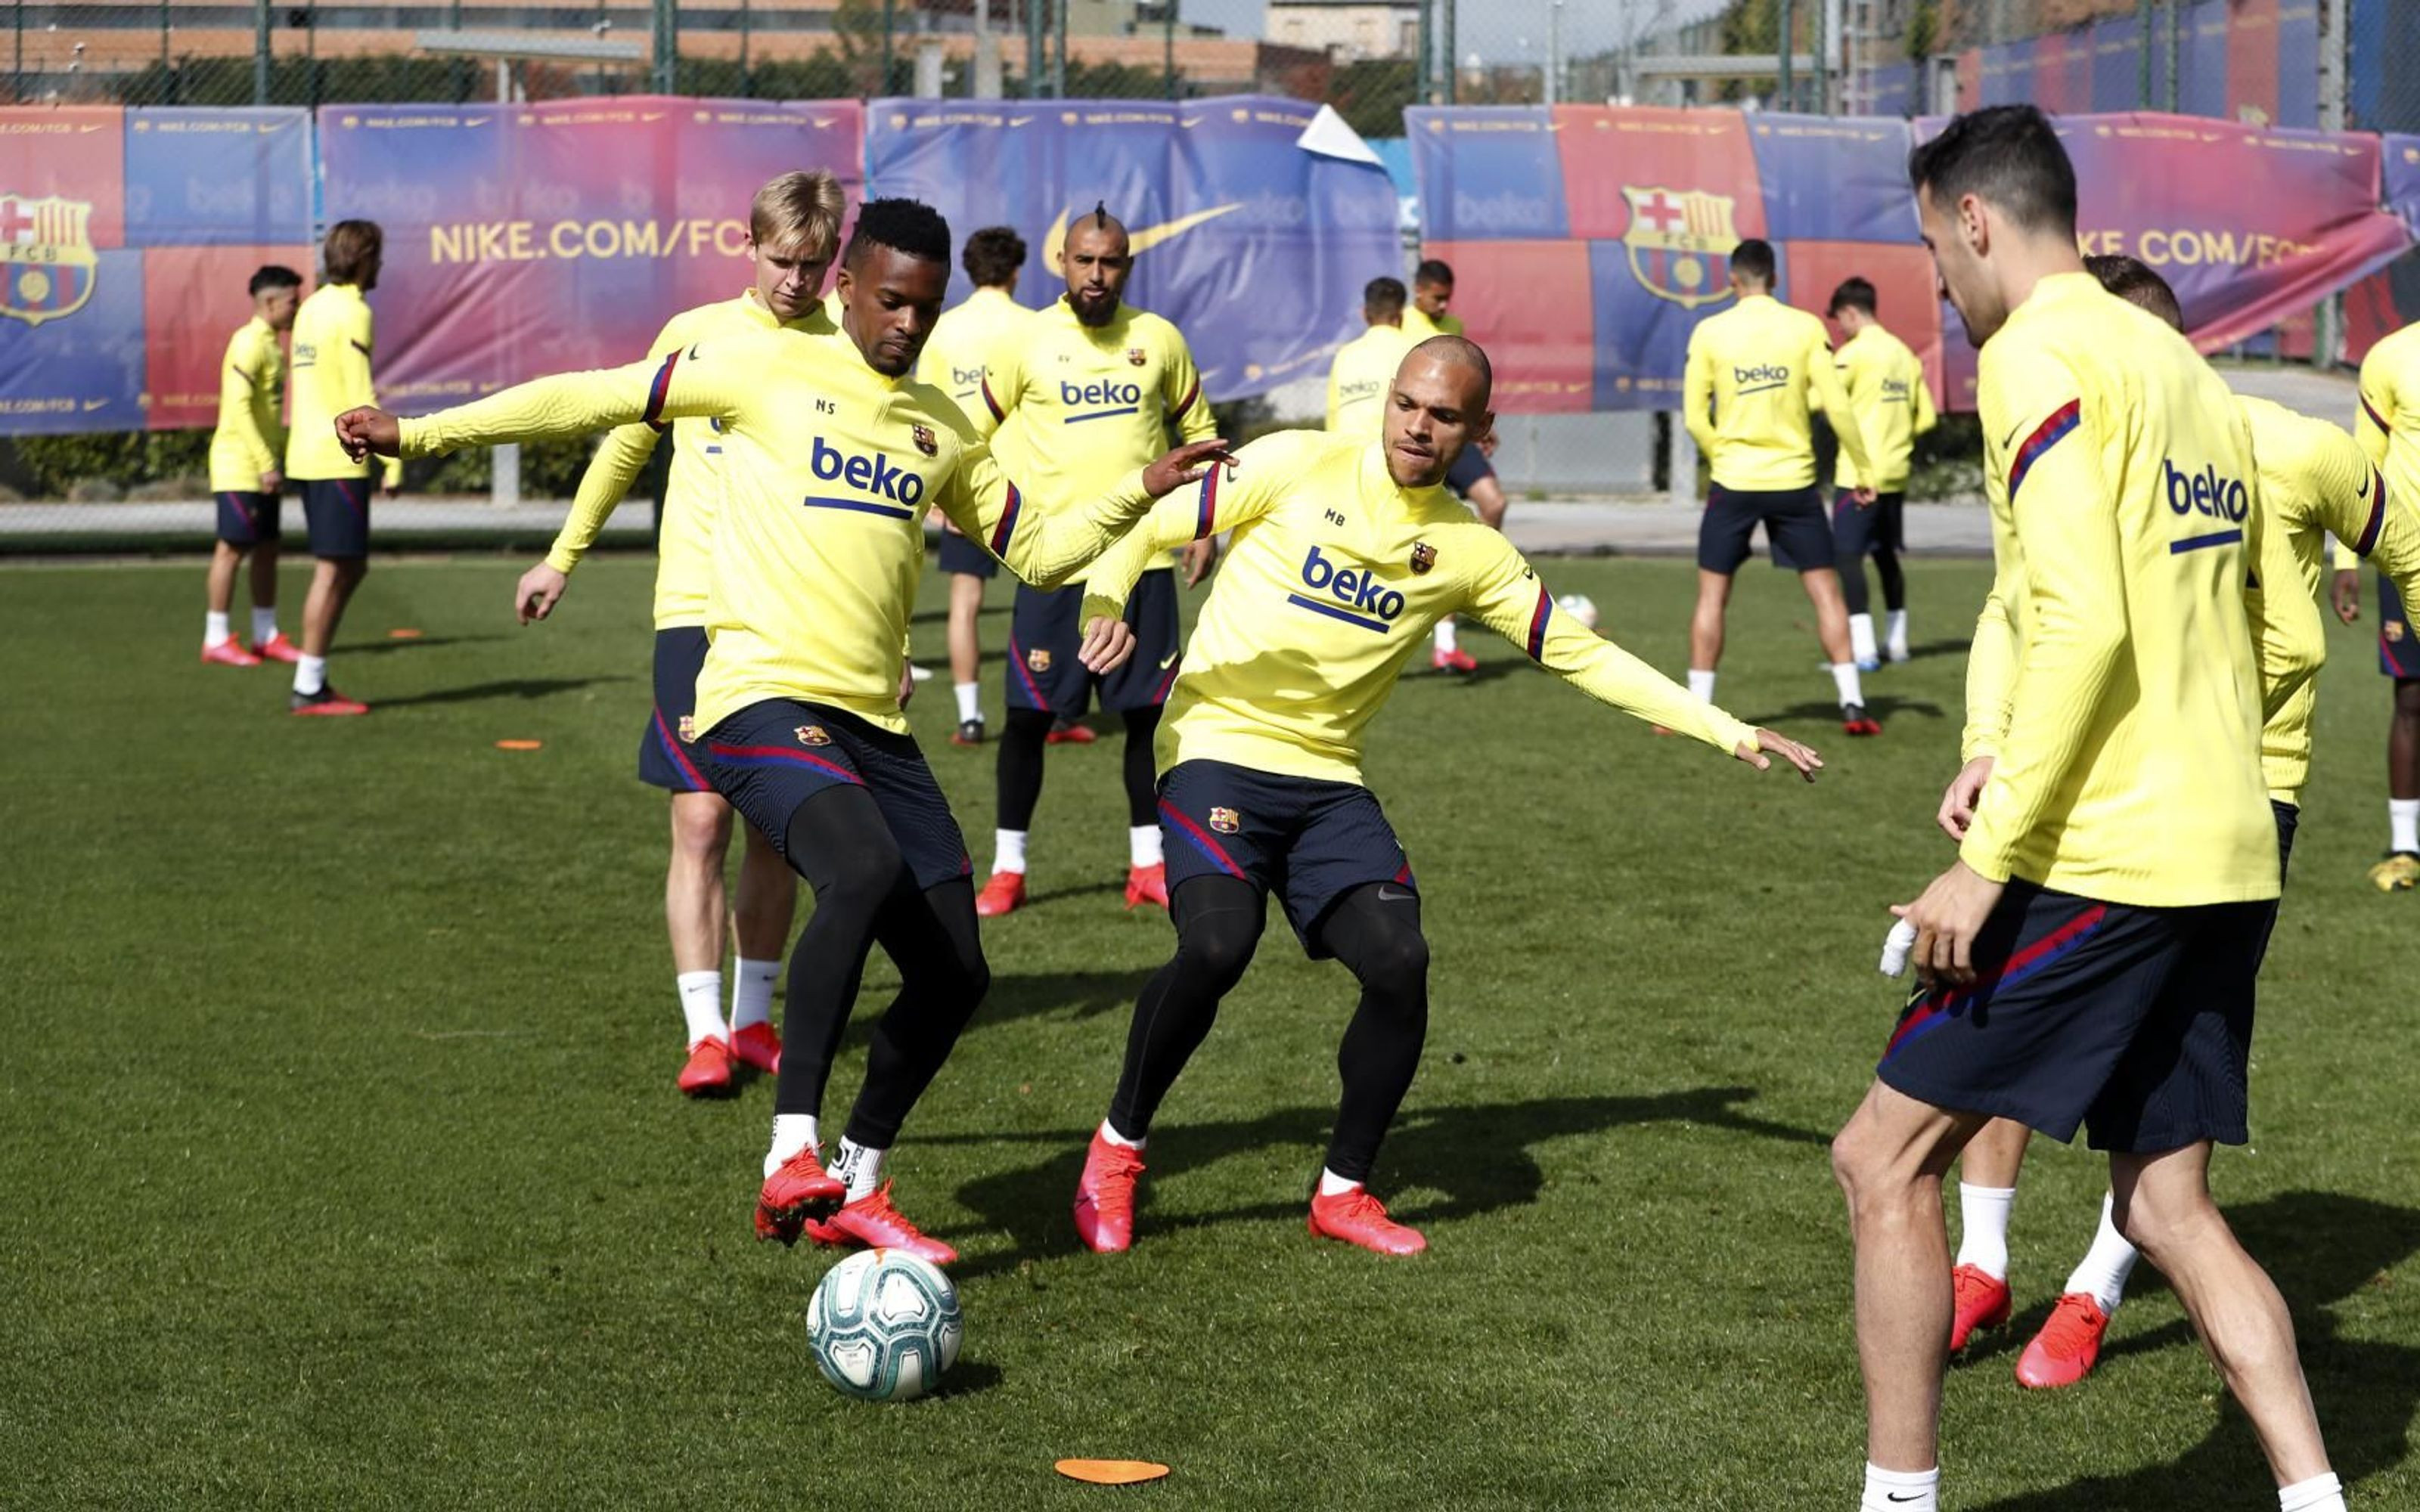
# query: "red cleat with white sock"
709, 1070
1147, 884
228, 653
872, 1221
1355, 1217
1981, 1300
1456, 660
278, 648
799, 1190
1104, 1196
758, 1045
2068, 1346
1003, 894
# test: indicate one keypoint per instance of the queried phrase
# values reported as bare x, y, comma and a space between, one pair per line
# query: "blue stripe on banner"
861, 507
1334, 613
2194, 542
1102, 415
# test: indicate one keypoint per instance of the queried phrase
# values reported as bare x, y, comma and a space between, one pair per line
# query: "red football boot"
1982, 1302
1855, 720
799, 1190
1147, 884
1003, 894
758, 1045
325, 702
1355, 1217
228, 653
278, 648
708, 1071
872, 1221
1069, 733
1105, 1196
2069, 1345
1456, 660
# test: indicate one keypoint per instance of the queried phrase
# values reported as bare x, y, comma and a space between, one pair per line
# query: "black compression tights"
1374, 930
865, 895
1021, 741
1887, 567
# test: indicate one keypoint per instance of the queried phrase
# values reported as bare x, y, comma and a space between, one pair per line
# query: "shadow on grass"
967, 1378
1883, 707
1477, 1159
2321, 1248
373, 648
519, 687
1075, 995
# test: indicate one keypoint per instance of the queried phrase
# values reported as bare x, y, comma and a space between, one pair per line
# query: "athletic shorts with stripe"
1308, 840
668, 757
250, 518
963, 558
1046, 631
771, 757
1796, 527
337, 510
2398, 639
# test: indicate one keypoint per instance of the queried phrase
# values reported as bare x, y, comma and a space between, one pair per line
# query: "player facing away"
832, 454
1094, 386
2314, 481
1473, 479
2089, 957
332, 332
1756, 373
954, 359
248, 472
1363, 370
2389, 428
793, 235
1345, 549
1893, 406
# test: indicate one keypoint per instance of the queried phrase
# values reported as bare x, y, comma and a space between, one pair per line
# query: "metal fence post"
2176, 51
260, 50
1787, 29
2143, 53
1168, 49
1423, 74
1059, 58
1453, 59
2334, 45
889, 23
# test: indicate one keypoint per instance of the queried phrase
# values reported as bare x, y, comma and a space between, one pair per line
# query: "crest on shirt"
688, 728
925, 440
1423, 556
1135, 357
813, 735
1680, 243
2392, 629
1226, 820
47, 262
1038, 660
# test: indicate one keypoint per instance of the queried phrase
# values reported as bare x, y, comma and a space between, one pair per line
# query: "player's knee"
2407, 701
1398, 967
701, 831
1219, 946
2161, 1223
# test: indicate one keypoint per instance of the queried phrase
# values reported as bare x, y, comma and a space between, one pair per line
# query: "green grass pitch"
344, 1165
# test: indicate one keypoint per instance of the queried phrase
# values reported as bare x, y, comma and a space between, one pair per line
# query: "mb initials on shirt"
1357, 596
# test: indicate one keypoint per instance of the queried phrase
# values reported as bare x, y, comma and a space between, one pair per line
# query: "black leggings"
1020, 766
864, 895
1374, 930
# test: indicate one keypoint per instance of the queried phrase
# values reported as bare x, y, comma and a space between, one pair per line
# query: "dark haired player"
248, 471
834, 456
2090, 957
1347, 548
1755, 372
963, 340
1094, 386
1893, 406
2389, 428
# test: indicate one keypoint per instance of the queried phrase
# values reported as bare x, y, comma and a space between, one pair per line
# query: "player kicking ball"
1347, 550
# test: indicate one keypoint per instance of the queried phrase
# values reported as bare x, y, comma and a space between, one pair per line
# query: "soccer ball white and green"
885, 1325
1580, 607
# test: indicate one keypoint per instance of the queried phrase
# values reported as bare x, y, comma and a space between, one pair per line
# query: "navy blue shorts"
338, 513
250, 518
771, 757
2399, 640
1469, 470
1877, 527
1047, 630
966, 559
1795, 527
1308, 840
2135, 1021
666, 755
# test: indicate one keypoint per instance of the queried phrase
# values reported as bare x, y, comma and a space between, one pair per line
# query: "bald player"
1473, 479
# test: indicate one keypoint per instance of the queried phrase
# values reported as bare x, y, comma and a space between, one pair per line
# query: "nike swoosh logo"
1169, 661
1386, 897
1020, 120
91, 405
1138, 241
1894, 1496
2010, 439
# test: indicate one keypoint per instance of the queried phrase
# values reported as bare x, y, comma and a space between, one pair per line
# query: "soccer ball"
1580, 607
884, 1325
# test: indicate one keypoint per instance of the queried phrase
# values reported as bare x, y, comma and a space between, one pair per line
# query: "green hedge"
177, 463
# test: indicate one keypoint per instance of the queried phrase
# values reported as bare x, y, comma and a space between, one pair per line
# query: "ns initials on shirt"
1357, 596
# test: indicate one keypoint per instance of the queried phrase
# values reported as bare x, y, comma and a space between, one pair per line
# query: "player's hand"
2345, 593
391, 490
1487, 444
1199, 558
1959, 800
1754, 750
1947, 918
534, 596
1187, 464
271, 481
907, 682
1108, 643
365, 432
1863, 496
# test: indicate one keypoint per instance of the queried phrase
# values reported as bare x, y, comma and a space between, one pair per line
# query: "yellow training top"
1419, 324
1359, 379
251, 438
963, 339
1335, 578
828, 468
331, 374
1755, 372
1893, 405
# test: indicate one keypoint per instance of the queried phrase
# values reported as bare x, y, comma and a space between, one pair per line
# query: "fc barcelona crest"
1038, 660
688, 728
1680, 243
1423, 556
923, 435
813, 735
47, 262
1225, 821
1135, 357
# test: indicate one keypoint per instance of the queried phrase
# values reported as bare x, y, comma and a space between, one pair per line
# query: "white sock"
701, 996
264, 625
1901, 1490
2403, 824
214, 629
2105, 1266
1844, 681
1895, 635
1443, 636
751, 993
1118, 1139
310, 674
1142, 845
1701, 683
2320, 1494
857, 1167
1008, 850
1861, 638
792, 1133
1330, 1183
969, 701
1983, 1227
